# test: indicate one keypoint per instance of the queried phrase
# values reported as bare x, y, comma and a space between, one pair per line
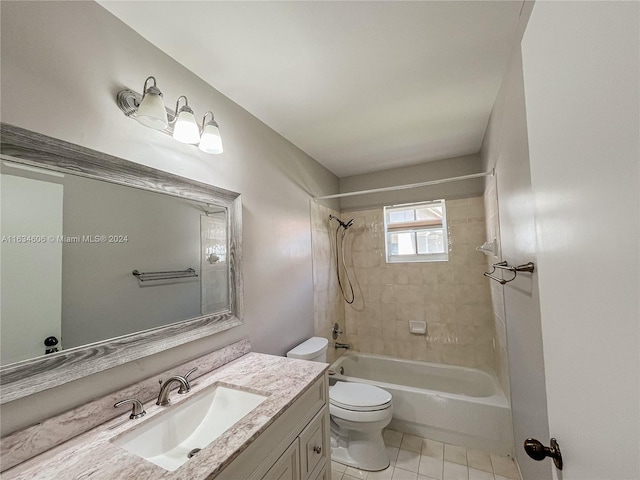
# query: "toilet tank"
314, 349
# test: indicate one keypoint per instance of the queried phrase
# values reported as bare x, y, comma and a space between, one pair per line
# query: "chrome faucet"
137, 410
335, 331
185, 387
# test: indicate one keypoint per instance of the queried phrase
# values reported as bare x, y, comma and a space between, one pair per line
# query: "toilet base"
341, 455
362, 450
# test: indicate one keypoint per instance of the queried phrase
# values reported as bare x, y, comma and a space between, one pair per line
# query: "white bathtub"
459, 405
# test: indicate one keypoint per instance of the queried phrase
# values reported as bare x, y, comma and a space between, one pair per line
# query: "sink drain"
193, 452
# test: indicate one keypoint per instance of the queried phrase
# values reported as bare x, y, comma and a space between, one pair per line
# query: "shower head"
342, 224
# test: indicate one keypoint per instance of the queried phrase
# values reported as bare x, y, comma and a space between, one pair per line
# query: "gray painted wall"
506, 147
100, 297
62, 65
424, 172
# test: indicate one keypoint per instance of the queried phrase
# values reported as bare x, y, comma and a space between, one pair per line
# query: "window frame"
417, 257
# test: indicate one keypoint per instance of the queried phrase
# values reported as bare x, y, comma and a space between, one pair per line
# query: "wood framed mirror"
114, 259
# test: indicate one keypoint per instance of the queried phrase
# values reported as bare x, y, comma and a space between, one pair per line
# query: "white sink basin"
168, 439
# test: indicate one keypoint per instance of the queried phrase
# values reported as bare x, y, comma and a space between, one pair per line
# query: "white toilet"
358, 411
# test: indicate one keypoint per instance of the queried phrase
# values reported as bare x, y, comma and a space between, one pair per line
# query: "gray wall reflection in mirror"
70, 244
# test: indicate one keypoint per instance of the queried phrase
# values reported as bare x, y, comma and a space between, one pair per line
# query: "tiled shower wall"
497, 295
327, 301
452, 297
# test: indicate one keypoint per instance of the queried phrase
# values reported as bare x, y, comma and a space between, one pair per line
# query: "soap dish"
418, 327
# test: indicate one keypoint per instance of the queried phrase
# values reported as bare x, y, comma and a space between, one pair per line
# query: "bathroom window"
416, 232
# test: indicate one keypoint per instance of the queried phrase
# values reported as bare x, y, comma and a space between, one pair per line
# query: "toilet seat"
359, 397
363, 420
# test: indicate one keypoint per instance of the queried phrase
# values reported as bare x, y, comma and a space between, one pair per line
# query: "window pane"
430, 241
429, 213
393, 244
398, 216
403, 243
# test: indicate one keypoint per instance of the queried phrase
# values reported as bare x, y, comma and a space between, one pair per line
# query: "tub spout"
346, 346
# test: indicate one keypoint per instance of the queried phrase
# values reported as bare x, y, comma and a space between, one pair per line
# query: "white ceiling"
360, 86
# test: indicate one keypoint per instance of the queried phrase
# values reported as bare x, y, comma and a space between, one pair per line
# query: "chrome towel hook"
526, 267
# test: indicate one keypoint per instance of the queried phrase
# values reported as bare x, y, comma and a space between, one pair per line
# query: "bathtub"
459, 405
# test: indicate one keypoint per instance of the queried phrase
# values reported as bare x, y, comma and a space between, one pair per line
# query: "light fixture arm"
184, 108
145, 88
151, 89
210, 122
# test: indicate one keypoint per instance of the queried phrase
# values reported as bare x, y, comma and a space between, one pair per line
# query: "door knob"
538, 451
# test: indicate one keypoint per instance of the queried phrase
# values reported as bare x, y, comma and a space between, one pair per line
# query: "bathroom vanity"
286, 436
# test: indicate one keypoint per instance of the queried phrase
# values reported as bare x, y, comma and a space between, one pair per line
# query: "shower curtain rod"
410, 185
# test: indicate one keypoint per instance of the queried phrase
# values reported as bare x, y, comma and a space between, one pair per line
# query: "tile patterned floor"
416, 458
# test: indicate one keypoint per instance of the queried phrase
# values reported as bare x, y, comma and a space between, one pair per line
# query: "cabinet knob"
317, 449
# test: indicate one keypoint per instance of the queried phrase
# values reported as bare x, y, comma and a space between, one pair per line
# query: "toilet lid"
358, 396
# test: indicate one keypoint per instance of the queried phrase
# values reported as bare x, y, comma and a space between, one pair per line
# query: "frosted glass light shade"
186, 129
211, 141
151, 112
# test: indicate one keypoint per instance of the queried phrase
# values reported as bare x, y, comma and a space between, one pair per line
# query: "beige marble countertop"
93, 455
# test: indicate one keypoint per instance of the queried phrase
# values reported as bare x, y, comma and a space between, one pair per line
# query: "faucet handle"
137, 411
184, 390
335, 331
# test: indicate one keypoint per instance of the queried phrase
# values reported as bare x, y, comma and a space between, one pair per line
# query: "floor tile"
455, 471
411, 443
422, 477
356, 473
336, 475
500, 477
392, 438
381, 475
349, 477
504, 466
400, 474
392, 452
431, 448
475, 474
479, 460
408, 460
430, 467
455, 454
338, 467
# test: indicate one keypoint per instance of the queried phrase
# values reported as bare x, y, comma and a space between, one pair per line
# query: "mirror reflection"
70, 246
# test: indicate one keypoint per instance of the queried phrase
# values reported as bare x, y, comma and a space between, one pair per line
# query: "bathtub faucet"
346, 346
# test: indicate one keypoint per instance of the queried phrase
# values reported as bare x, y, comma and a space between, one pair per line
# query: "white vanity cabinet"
314, 445
295, 447
287, 467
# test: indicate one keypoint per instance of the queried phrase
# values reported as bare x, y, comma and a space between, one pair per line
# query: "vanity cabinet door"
314, 446
287, 467
324, 474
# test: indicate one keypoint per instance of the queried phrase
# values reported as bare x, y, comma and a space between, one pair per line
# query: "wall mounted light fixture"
210, 141
149, 110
